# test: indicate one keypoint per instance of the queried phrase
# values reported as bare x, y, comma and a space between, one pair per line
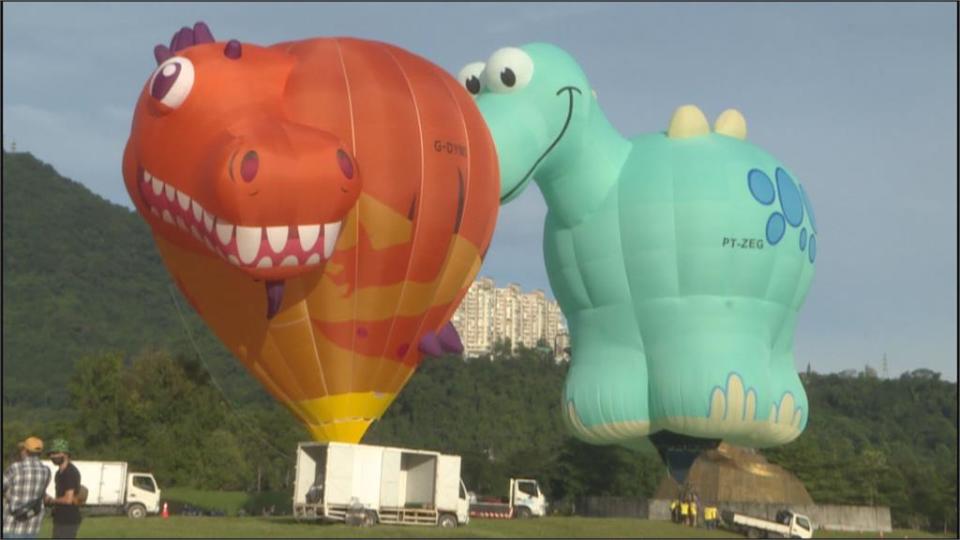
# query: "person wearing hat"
66, 509
24, 484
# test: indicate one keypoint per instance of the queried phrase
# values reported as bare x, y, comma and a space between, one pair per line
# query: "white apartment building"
489, 313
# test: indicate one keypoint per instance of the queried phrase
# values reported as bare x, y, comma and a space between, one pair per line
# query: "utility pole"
884, 367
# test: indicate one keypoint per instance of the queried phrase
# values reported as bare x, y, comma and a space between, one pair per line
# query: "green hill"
82, 275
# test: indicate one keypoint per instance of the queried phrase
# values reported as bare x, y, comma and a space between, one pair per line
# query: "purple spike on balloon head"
183, 39
202, 34
430, 345
232, 50
161, 53
450, 339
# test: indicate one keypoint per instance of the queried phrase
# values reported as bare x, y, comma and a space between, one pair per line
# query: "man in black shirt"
66, 509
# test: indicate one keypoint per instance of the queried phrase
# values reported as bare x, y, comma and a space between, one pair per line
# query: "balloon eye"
172, 81
473, 85
249, 166
346, 166
471, 77
508, 70
508, 78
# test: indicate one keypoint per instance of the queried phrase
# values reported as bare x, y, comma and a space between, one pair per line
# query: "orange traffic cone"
166, 512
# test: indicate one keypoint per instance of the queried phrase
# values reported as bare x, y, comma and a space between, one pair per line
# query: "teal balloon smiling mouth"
680, 258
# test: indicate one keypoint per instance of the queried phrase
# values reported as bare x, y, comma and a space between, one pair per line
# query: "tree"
97, 393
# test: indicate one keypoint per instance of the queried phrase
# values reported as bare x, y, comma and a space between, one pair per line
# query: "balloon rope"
233, 409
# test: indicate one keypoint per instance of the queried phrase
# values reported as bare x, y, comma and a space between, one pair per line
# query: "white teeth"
308, 236
248, 243
197, 211
168, 217
224, 231
208, 220
195, 233
290, 260
181, 223
265, 263
183, 199
170, 191
157, 185
277, 236
330, 233
233, 260
146, 176
313, 259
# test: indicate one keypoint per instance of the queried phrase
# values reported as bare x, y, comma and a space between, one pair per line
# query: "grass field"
285, 527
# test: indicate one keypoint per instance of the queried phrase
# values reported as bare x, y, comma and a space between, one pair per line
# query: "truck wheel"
523, 512
136, 511
370, 518
447, 521
755, 533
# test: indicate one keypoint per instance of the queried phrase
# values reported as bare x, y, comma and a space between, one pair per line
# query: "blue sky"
859, 100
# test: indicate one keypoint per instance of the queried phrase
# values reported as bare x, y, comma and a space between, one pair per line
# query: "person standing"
24, 484
66, 509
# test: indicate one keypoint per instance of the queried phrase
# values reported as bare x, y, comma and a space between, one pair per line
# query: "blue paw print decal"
793, 205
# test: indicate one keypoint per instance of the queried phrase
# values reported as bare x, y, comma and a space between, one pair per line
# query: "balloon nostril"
345, 164
249, 166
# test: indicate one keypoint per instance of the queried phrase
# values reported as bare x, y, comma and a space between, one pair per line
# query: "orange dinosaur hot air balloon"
323, 204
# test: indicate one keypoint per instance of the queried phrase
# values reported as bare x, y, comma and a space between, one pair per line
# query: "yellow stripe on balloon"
378, 303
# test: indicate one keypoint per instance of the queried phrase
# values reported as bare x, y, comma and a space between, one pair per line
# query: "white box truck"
525, 500
111, 489
335, 481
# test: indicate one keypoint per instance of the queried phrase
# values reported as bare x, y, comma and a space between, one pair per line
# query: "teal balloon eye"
471, 77
508, 77
508, 70
473, 85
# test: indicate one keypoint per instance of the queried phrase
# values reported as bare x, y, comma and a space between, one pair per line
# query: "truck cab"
463, 505
526, 498
143, 495
799, 524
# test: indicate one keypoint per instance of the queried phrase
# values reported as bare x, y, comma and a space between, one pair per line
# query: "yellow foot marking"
688, 121
786, 416
733, 417
732, 124
611, 432
733, 405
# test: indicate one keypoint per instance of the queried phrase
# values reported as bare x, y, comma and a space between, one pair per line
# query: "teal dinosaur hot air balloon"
679, 258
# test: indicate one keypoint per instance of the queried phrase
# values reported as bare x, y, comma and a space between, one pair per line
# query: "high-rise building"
488, 314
